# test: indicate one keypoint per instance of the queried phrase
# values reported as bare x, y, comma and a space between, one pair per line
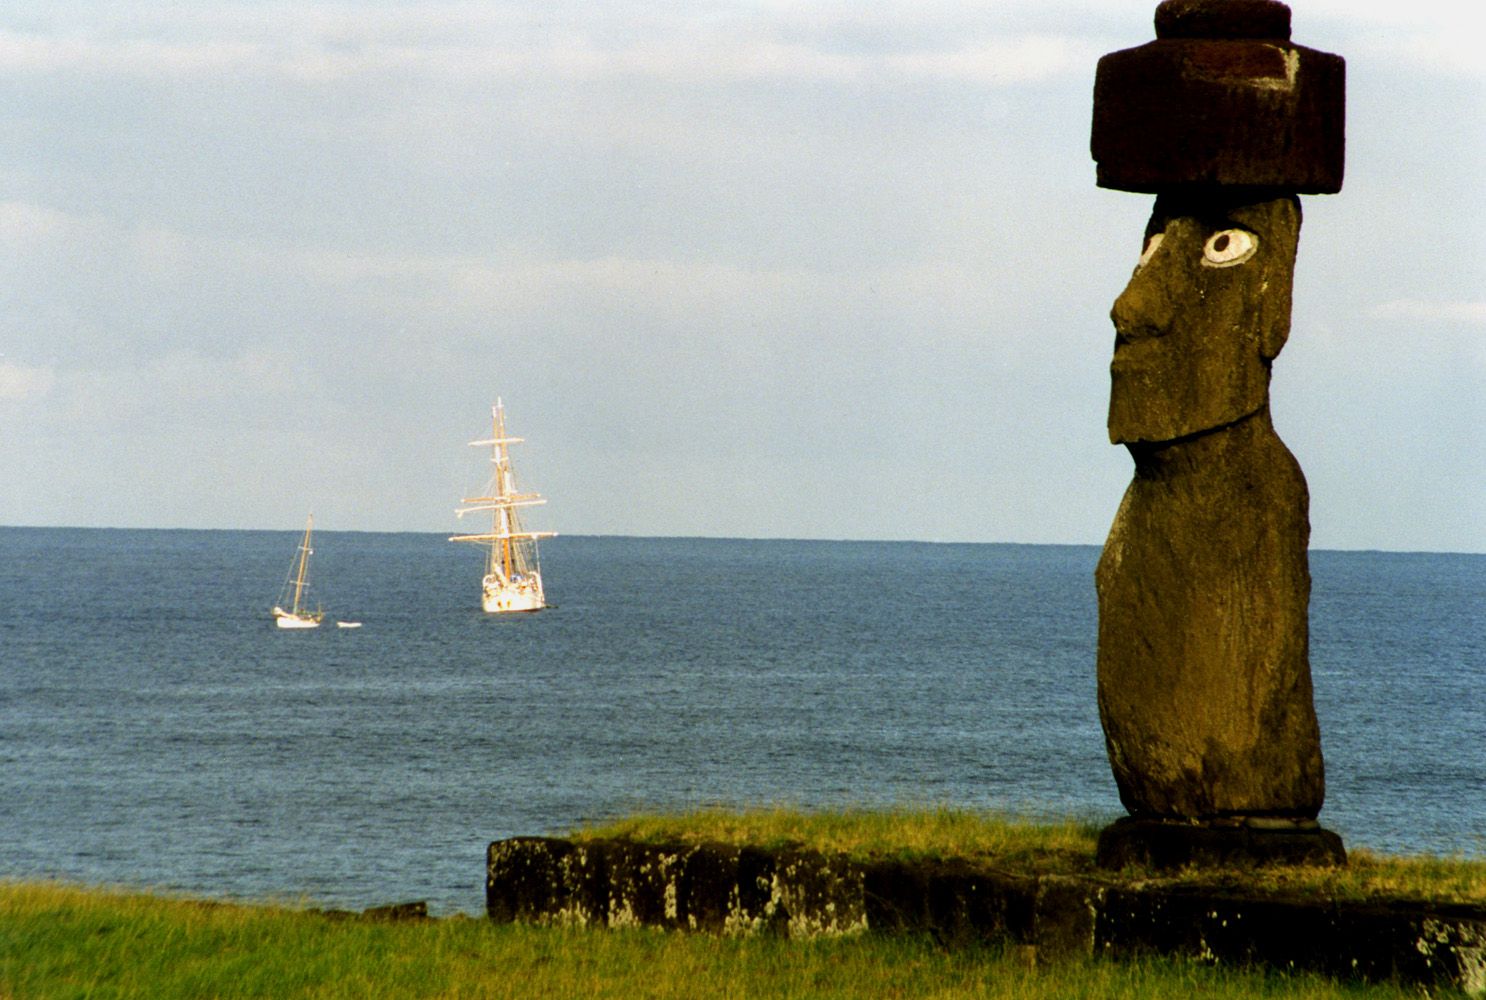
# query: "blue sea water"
156, 730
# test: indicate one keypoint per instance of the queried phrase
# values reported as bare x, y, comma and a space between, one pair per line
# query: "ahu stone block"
725, 889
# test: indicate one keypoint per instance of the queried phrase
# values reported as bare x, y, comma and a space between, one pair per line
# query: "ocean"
157, 731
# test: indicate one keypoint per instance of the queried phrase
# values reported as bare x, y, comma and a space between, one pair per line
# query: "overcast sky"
760, 269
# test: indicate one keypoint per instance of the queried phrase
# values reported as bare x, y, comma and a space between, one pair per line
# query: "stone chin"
1132, 422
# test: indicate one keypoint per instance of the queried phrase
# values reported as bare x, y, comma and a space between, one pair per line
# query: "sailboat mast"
304, 556
502, 486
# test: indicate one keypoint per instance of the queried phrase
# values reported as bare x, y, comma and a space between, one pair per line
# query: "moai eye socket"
1229, 247
1151, 245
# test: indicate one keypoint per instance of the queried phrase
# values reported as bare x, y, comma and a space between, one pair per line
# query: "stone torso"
1204, 684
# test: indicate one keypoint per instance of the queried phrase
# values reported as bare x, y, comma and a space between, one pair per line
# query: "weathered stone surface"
691, 887
1220, 98
1223, 19
959, 903
1194, 339
388, 914
1203, 585
397, 912
1430, 945
547, 880
955, 902
1157, 845
803, 894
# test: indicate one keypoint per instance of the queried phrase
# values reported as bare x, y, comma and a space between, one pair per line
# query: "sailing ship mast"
513, 573
295, 617
304, 563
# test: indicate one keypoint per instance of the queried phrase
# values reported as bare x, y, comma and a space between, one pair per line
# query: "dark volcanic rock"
397, 912
1432, 945
1156, 844
1223, 19
1220, 98
709, 887
805, 894
1203, 585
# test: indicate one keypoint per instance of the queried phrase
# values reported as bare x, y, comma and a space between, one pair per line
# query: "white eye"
1151, 246
1229, 247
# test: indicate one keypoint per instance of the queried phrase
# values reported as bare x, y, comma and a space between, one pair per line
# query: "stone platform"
1166, 846
794, 893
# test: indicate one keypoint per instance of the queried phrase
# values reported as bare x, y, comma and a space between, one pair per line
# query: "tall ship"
513, 571
295, 592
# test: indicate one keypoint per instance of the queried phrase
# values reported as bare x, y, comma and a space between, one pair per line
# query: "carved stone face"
1205, 312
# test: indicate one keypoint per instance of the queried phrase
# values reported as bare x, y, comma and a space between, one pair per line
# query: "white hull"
288, 619
500, 596
295, 586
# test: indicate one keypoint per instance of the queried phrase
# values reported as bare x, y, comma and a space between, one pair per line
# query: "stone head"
1202, 317
1226, 120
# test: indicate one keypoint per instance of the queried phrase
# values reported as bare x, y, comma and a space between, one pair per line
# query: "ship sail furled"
296, 586
513, 572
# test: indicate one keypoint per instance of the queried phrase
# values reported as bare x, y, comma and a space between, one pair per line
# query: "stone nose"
1142, 310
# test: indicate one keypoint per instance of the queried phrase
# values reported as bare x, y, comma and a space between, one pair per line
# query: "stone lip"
800, 893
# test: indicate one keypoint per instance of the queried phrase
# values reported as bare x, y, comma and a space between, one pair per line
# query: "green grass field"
62, 941
1065, 848
59, 940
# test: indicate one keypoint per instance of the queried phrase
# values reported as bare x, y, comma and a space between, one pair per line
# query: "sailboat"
513, 573
298, 580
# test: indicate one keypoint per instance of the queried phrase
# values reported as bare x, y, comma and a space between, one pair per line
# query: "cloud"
342, 42
329, 43
1028, 58
373, 216
25, 226
1446, 52
19, 382
186, 391
32, 53
1440, 51
1419, 311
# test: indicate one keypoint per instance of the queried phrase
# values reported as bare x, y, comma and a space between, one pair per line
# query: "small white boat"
347, 624
513, 572
297, 583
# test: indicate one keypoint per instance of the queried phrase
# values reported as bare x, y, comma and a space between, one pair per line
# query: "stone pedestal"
1164, 845
1214, 918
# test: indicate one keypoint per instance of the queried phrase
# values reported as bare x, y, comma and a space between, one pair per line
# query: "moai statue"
1204, 677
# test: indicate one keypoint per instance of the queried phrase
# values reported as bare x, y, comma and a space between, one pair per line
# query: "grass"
63, 941
1012, 843
905, 834
60, 941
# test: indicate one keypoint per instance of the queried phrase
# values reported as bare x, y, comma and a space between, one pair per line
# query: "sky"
738, 268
